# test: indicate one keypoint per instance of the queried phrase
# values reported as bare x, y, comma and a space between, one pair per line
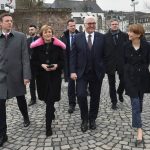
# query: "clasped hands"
45, 66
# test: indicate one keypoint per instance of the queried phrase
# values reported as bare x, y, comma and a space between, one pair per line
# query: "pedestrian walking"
48, 57
33, 36
113, 54
14, 71
68, 38
87, 68
136, 74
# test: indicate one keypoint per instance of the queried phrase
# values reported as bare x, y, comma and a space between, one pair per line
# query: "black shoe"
32, 103
49, 132
92, 124
71, 109
3, 139
114, 107
121, 99
26, 122
84, 126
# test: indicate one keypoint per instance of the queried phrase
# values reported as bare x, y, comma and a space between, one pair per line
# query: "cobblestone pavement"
114, 131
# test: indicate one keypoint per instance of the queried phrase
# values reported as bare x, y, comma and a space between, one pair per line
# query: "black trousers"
112, 87
22, 107
33, 84
72, 92
90, 81
50, 109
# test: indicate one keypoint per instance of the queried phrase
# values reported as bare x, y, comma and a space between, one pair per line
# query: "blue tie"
72, 40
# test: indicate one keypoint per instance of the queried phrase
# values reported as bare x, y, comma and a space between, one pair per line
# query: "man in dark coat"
33, 37
87, 68
14, 71
67, 38
113, 53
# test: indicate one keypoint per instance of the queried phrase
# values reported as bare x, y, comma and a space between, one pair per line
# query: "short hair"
89, 17
114, 19
137, 29
45, 28
4, 15
32, 25
70, 20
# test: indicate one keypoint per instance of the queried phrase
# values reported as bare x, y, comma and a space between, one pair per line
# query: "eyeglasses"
90, 23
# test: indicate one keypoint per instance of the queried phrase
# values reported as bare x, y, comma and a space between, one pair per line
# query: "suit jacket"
78, 56
14, 65
66, 39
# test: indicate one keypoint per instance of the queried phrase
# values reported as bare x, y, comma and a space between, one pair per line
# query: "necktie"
6, 36
115, 38
90, 41
72, 40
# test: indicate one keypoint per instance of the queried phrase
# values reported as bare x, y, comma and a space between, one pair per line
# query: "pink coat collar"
40, 42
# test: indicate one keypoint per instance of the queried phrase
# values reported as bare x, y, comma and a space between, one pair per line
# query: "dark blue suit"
89, 67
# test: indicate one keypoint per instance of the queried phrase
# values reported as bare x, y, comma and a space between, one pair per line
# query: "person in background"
32, 38
113, 54
87, 68
14, 71
136, 74
48, 57
68, 38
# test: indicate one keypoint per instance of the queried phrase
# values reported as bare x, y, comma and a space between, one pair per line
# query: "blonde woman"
49, 60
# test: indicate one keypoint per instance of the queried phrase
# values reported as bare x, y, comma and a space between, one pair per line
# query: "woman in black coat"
136, 74
49, 60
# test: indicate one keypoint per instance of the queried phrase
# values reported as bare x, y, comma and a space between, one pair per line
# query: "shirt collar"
86, 34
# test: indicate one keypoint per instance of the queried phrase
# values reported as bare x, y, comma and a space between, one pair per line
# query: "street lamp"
9, 8
133, 3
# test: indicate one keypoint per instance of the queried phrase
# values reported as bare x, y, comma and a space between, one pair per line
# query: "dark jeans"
89, 80
22, 107
72, 92
112, 87
136, 104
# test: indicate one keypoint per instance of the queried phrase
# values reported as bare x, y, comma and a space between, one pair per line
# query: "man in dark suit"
33, 37
67, 38
113, 55
86, 67
14, 71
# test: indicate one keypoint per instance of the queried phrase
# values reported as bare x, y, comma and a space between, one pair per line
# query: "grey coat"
14, 65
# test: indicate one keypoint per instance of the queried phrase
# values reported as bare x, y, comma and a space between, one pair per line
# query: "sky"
120, 5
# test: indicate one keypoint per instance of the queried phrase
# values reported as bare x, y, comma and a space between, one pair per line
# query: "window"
2, 7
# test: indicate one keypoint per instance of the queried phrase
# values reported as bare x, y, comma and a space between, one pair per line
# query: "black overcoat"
49, 85
136, 73
113, 54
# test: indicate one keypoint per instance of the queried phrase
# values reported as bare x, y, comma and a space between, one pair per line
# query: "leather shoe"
3, 139
71, 109
26, 122
49, 132
121, 99
92, 124
32, 103
114, 107
84, 126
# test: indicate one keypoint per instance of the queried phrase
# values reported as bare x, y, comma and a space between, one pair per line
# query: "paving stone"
113, 132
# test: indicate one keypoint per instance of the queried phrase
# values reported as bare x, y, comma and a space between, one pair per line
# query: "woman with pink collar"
49, 60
